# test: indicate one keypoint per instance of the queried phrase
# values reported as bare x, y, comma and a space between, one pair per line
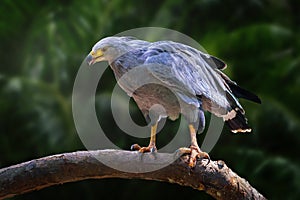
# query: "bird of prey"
189, 82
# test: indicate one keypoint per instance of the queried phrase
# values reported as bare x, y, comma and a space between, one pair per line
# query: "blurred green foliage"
44, 42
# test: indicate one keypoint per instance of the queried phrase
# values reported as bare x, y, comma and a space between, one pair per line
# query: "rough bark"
215, 178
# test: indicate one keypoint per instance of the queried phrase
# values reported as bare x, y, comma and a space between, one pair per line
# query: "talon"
144, 150
182, 151
195, 153
204, 155
153, 149
208, 161
150, 148
135, 147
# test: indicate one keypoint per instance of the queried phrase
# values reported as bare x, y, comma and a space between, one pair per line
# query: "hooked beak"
94, 57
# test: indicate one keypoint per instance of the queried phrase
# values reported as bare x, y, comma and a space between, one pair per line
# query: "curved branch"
215, 178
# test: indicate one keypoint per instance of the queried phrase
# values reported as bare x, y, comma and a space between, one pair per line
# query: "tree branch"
215, 178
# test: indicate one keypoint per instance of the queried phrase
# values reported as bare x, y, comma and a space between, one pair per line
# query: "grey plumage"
184, 80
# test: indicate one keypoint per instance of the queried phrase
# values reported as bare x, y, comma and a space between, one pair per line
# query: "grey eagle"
181, 78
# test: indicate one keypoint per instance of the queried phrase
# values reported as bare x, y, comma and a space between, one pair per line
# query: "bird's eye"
104, 48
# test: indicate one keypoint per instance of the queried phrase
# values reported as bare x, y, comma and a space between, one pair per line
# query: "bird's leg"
194, 150
151, 147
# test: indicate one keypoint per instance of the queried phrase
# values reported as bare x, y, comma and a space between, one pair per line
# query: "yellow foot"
195, 153
150, 148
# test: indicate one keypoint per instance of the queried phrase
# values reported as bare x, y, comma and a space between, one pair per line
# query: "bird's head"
108, 49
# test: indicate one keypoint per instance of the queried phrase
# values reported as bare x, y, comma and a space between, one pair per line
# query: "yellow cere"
97, 53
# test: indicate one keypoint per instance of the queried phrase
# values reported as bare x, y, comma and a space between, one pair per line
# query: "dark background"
44, 42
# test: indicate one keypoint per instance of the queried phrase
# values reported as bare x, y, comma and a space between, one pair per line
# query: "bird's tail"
238, 123
235, 119
239, 92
